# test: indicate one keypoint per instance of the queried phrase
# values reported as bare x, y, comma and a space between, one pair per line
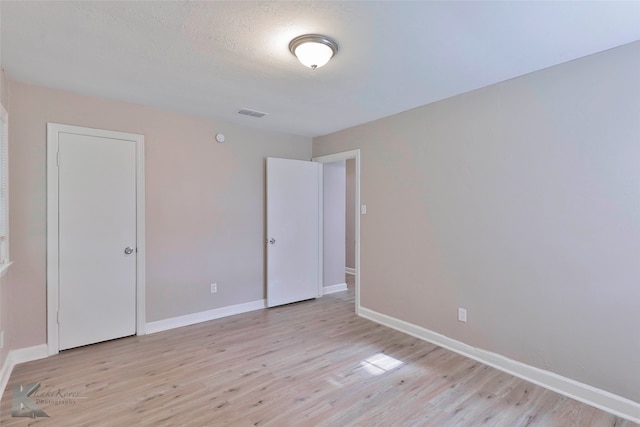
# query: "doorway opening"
351, 199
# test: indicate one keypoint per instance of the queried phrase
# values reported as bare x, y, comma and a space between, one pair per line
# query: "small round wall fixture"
313, 50
220, 137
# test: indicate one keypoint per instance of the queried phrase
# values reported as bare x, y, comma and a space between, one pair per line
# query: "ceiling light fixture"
313, 50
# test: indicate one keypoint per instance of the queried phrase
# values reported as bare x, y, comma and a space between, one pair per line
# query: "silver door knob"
272, 241
128, 250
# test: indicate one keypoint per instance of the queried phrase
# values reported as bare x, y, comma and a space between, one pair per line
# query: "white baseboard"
203, 316
584, 393
15, 357
349, 270
334, 288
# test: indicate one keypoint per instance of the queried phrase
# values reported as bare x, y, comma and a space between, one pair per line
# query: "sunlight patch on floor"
380, 363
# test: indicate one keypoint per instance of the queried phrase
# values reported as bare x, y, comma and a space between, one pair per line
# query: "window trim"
5, 255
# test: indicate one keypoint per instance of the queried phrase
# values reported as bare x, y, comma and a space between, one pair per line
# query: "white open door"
294, 260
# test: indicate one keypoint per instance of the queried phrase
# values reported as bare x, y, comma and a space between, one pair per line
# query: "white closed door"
97, 239
293, 231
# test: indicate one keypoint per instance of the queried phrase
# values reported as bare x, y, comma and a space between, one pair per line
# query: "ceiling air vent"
251, 113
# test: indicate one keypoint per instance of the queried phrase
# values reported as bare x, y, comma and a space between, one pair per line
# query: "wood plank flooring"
308, 364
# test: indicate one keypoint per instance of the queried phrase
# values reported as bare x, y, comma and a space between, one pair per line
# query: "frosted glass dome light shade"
313, 50
313, 55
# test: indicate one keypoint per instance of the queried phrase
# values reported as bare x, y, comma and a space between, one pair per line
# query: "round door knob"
128, 250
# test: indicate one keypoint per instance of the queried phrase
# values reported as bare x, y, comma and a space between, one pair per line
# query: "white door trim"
53, 130
346, 155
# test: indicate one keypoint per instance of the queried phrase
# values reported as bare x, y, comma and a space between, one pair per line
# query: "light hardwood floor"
308, 364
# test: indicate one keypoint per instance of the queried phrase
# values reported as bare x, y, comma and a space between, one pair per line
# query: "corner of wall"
4, 286
4, 90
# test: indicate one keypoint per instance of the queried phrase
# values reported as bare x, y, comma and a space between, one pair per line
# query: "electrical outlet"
214, 288
2, 339
462, 314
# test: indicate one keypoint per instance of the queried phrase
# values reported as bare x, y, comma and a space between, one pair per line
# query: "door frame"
336, 157
53, 131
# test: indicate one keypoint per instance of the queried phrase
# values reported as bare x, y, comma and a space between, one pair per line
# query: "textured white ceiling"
211, 58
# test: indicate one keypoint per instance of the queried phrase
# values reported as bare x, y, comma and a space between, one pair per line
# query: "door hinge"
58, 317
58, 159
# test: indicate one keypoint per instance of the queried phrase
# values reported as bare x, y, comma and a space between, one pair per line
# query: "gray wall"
334, 188
519, 202
204, 201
